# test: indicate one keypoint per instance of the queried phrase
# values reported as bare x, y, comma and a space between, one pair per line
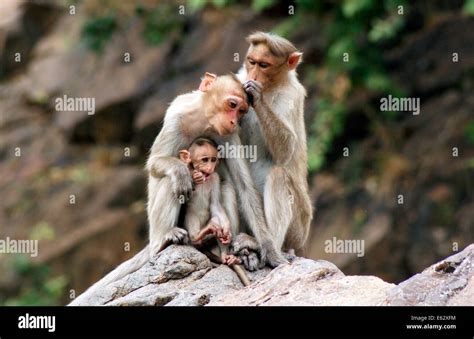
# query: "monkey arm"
280, 137
163, 159
250, 200
217, 211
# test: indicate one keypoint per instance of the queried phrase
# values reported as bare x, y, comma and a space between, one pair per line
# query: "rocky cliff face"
183, 276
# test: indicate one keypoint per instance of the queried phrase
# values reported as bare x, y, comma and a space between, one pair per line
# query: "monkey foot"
177, 235
246, 248
251, 261
290, 255
274, 257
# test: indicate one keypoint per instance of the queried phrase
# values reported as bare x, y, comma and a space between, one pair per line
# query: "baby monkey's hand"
229, 259
198, 177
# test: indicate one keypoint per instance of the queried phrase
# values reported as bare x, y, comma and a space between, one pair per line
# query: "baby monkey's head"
202, 156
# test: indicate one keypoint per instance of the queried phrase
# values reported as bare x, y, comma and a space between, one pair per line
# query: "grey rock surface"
183, 276
449, 282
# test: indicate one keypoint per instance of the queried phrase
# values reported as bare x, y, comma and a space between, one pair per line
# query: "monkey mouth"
227, 130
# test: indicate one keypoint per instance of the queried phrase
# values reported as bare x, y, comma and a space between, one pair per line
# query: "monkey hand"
230, 259
182, 183
254, 90
224, 236
249, 252
198, 177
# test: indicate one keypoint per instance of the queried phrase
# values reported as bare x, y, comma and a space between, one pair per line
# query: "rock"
22, 24
178, 276
447, 283
308, 283
183, 276
72, 69
428, 54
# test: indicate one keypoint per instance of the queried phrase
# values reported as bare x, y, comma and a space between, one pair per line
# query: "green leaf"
261, 5
378, 82
351, 8
384, 29
195, 5
468, 7
469, 132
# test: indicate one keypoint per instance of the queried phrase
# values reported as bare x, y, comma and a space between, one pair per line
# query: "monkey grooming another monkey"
275, 125
205, 215
214, 112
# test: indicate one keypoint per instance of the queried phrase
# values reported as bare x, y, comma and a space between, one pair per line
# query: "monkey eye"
251, 62
213, 159
263, 65
232, 104
205, 159
242, 111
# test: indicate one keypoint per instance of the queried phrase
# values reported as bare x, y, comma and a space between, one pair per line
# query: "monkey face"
266, 68
227, 105
204, 159
261, 65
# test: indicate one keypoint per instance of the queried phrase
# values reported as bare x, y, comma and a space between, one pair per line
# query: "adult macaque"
213, 112
276, 126
205, 217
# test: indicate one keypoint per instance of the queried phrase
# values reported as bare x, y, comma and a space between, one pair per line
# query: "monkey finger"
245, 261
258, 84
254, 86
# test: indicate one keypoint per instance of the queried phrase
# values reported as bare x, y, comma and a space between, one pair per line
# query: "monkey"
205, 215
214, 111
275, 124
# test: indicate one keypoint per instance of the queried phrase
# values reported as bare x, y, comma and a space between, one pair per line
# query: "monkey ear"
294, 59
207, 81
185, 156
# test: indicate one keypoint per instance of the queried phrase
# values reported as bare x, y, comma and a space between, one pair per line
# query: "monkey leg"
298, 230
279, 204
163, 212
229, 203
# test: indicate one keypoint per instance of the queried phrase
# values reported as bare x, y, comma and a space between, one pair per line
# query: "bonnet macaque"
205, 216
275, 125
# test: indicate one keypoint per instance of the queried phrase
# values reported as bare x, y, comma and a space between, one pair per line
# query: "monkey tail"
124, 269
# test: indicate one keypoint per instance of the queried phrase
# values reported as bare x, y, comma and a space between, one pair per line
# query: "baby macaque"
205, 217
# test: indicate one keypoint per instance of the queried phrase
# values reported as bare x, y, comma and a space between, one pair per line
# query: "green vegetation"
42, 231
469, 7
353, 61
160, 23
469, 132
98, 30
38, 287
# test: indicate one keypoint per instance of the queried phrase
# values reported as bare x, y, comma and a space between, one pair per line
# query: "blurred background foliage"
360, 158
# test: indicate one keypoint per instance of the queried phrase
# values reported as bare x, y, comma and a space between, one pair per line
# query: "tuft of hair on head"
201, 141
234, 77
278, 46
